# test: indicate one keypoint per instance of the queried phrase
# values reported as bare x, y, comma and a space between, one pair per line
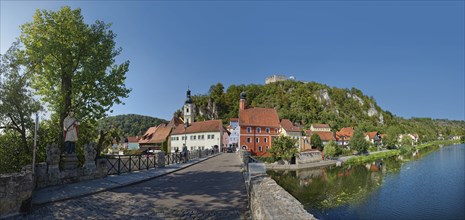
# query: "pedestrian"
184, 153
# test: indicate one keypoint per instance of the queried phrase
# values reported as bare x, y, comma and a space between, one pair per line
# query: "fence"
118, 164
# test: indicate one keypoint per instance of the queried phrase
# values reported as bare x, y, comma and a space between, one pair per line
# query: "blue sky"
408, 55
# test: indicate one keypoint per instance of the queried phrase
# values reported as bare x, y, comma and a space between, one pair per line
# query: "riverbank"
391, 153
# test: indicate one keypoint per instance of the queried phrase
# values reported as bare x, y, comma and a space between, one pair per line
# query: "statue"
70, 130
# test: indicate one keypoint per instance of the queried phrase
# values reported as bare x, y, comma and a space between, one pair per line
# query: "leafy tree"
330, 149
74, 63
17, 103
391, 139
315, 140
358, 141
283, 148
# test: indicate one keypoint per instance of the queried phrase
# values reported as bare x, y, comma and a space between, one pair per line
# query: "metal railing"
118, 164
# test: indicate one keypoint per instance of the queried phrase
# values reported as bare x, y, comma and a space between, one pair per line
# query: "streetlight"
186, 124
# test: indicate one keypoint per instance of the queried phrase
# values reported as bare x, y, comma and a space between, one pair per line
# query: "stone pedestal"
69, 161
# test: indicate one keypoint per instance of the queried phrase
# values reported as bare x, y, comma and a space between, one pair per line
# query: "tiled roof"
175, 122
324, 135
347, 133
289, 126
200, 126
154, 135
266, 117
372, 134
133, 139
320, 125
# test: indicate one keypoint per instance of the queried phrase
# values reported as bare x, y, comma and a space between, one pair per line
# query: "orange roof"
347, 133
133, 139
289, 126
320, 125
324, 135
372, 134
157, 134
200, 126
266, 117
175, 122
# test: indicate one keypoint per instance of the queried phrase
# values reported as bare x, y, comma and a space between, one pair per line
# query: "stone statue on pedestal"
70, 129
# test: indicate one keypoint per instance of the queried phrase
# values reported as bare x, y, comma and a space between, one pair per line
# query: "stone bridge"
212, 189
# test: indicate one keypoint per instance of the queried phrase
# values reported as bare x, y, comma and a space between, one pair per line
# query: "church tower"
189, 113
242, 101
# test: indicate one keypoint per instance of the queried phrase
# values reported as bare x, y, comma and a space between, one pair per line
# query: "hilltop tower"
189, 111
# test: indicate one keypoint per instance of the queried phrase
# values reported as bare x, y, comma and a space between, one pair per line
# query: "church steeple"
189, 113
242, 101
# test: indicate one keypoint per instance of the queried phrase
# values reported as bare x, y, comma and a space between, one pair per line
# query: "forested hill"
307, 103
130, 125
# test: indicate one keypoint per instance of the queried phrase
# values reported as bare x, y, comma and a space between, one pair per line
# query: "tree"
315, 140
391, 138
330, 149
17, 103
283, 148
74, 63
358, 141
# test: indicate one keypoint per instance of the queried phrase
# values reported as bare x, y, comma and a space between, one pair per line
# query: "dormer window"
267, 130
249, 130
259, 130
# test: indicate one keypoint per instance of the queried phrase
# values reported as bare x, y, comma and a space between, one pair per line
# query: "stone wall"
16, 192
268, 200
50, 175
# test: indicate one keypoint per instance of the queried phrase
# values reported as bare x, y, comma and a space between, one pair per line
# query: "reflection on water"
346, 192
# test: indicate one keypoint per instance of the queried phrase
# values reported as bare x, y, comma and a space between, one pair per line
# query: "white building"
202, 135
234, 129
289, 129
199, 135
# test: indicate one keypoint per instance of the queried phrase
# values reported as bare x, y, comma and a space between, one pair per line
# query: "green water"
407, 187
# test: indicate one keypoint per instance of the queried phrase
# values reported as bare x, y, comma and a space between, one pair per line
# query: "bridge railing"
118, 164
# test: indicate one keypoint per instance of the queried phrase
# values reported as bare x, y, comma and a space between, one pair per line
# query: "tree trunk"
66, 90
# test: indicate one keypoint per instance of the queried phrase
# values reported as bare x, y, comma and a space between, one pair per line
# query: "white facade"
319, 128
234, 136
195, 141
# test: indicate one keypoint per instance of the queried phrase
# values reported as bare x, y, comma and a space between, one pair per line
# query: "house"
289, 129
325, 136
258, 127
199, 136
234, 129
195, 135
157, 137
413, 138
320, 127
343, 136
373, 137
133, 142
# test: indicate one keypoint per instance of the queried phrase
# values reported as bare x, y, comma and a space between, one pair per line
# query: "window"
244, 147
249, 130
260, 148
192, 138
267, 147
259, 130
195, 137
265, 140
187, 110
199, 137
213, 136
276, 130
192, 148
248, 140
257, 140
267, 130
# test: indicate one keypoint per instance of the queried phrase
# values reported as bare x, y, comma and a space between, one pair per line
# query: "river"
429, 185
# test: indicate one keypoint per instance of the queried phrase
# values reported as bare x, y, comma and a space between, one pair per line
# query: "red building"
258, 127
